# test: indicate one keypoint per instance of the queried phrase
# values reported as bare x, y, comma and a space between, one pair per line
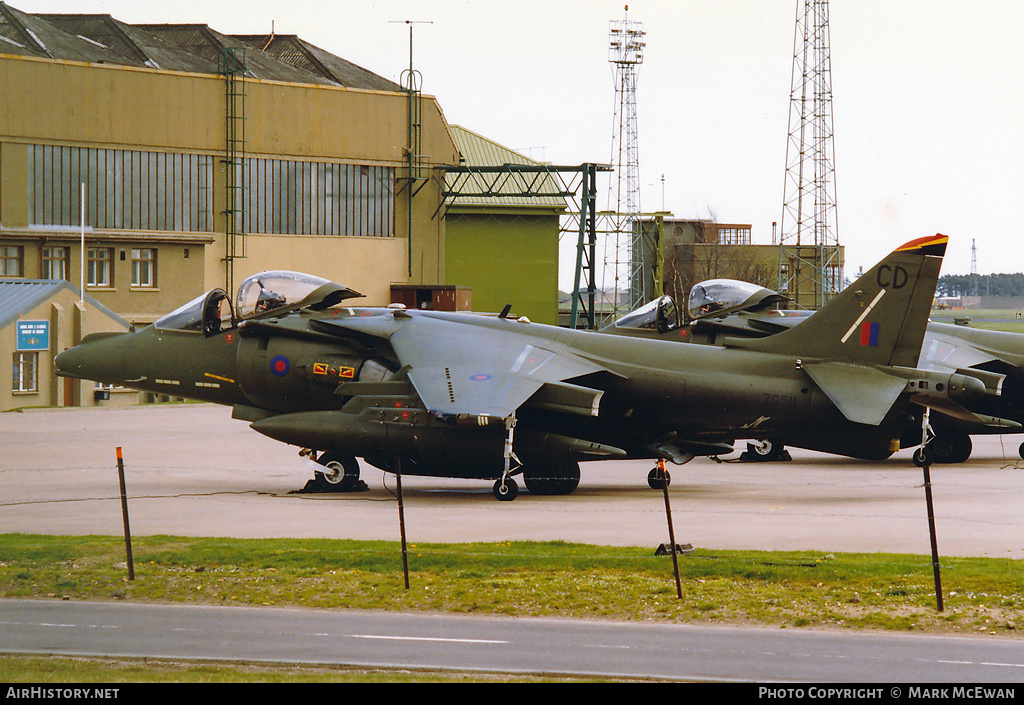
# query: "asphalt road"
502, 645
192, 470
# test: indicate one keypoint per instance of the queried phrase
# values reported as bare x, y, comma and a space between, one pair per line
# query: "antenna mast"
412, 82
974, 268
810, 267
625, 53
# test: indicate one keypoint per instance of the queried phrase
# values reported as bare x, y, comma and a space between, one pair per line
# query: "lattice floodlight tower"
810, 266
624, 233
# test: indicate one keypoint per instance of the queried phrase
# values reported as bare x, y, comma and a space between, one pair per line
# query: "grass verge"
96, 670
548, 579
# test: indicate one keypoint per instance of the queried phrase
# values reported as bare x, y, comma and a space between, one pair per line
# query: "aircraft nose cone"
98, 357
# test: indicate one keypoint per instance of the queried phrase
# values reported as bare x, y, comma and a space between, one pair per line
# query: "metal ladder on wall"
233, 68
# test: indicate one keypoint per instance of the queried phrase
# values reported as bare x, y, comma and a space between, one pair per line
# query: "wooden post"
931, 532
671, 531
124, 515
401, 520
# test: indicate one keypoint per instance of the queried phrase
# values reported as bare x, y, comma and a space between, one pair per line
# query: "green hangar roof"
499, 190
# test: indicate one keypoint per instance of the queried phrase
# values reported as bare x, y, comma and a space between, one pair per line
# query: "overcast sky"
928, 97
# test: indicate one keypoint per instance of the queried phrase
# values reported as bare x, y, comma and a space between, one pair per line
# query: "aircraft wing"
462, 369
949, 346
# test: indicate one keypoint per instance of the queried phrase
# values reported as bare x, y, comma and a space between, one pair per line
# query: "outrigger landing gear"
506, 489
923, 455
659, 478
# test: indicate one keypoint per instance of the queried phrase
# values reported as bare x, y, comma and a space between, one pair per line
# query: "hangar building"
154, 162
203, 160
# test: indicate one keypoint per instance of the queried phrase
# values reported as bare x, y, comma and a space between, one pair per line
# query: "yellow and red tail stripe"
932, 245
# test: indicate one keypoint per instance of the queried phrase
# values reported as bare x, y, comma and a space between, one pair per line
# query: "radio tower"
810, 267
625, 53
974, 268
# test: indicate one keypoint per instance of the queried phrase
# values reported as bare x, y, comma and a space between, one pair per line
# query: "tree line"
981, 285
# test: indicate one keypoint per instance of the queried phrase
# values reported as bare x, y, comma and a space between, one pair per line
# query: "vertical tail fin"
880, 319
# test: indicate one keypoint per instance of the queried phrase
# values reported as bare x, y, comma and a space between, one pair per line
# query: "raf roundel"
480, 378
280, 366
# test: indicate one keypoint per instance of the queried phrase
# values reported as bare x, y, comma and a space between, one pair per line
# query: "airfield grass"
987, 318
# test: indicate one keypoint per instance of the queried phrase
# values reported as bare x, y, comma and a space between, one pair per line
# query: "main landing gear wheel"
951, 448
962, 448
1020, 450
659, 479
340, 473
558, 479
945, 448
765, 451
506, 490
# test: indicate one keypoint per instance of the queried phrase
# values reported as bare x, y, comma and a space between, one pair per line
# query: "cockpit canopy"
208, 314
260, 294
715, 297
658, 315
267, 291
721, 296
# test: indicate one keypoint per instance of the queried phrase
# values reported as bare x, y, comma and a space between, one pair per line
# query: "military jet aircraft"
468, 395
723, 309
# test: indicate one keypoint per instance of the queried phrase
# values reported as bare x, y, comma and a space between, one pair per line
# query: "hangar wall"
100, 111
507, 258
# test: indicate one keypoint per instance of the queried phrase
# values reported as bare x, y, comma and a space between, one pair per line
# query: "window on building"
144, 268
733, 236
125, 189
26, 372
11, 261
135, 190
55, 262
312, 198
100, 267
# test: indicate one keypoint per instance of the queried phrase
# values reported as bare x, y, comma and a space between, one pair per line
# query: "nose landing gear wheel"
340, 473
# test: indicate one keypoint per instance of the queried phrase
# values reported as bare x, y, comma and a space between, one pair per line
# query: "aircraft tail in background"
880, 319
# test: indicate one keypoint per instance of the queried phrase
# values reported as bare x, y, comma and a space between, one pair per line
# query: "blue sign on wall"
33, 335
